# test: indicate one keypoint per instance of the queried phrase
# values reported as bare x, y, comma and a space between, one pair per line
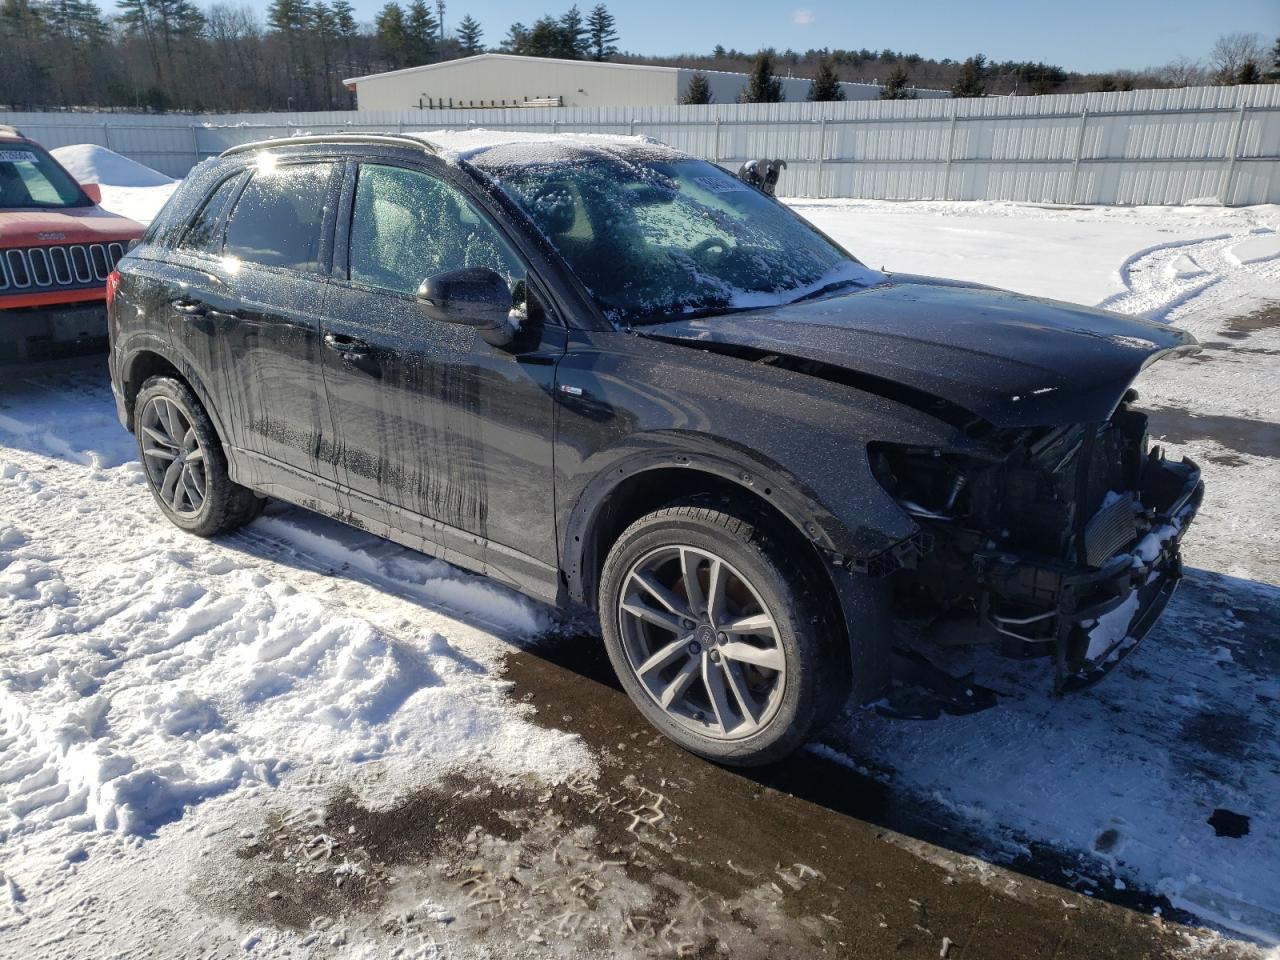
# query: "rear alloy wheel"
184, 463
717, 634
172, 454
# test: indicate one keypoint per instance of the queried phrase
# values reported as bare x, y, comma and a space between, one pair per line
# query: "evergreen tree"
422, 28
1275, 61
344, 19
825, 85
699, 90
75, 21
25, 76
393, 34
287, 16
346, 29
601, 33
1250, 73
162, 24
971, 82
895, 87
324, 30
573, 34
469, 34
762, 86
517, 38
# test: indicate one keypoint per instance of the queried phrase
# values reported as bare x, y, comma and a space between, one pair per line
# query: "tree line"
174, 55
1233, 58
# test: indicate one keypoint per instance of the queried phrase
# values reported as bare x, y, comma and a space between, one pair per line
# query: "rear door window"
280, 218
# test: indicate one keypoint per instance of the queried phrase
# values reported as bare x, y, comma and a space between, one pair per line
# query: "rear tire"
675, 586
183, 460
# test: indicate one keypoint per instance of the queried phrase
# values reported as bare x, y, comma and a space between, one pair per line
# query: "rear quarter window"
205, 233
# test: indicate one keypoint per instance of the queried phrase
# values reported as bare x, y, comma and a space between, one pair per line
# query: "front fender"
628, 404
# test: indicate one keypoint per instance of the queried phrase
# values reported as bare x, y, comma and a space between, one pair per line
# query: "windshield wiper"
653, 319
828, 288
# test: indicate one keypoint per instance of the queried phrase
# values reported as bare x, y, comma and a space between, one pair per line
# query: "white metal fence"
1201, 144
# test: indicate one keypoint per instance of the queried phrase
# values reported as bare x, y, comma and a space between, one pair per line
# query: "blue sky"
1080, 35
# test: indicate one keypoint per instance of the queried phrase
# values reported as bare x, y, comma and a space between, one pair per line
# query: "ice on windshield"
654, 234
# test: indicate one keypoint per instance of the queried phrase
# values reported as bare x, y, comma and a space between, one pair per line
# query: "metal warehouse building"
503, 80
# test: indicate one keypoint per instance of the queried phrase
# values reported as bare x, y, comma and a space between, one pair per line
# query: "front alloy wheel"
714, 620
701, 641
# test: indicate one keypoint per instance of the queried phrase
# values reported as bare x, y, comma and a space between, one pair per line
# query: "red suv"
57, 248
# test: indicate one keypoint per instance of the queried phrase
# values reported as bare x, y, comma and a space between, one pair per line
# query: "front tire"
185, 466
717, 633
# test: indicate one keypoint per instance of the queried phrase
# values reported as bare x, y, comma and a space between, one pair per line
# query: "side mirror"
93, 191
475, 297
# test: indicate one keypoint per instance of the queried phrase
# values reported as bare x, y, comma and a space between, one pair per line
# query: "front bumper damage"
1089, 618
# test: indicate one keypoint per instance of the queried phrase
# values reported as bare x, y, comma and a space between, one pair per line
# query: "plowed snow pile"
129, 188
90, 163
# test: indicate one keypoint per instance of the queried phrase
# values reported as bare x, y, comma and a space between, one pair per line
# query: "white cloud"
802, 16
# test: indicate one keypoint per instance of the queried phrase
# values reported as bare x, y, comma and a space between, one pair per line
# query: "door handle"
351, 347
190, 308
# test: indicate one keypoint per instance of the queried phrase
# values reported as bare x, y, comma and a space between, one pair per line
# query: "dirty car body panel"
959, 457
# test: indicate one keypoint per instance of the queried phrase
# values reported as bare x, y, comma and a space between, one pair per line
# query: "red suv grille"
65, 267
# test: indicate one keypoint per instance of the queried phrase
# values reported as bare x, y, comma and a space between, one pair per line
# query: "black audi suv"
607, 373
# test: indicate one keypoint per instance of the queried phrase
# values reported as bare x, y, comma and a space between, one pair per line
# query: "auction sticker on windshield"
17, 156
721, 184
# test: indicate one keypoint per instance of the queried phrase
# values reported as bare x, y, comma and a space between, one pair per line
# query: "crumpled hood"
1011, 359
32, 228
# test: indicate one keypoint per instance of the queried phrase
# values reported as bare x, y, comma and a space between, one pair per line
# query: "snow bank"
146, 677
90, 163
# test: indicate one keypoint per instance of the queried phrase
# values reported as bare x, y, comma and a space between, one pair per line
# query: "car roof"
455, 145
461, 144
10, 133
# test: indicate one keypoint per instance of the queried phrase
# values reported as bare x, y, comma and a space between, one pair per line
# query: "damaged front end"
1057, 542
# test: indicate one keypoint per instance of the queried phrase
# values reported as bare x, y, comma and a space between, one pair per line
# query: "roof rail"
396, 139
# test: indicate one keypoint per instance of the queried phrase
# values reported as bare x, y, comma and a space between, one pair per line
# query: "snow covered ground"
157, 691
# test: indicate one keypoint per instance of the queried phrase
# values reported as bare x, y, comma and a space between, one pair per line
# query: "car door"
440, 434
265, 303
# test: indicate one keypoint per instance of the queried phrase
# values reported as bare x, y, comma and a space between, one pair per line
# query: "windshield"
654, 235
29, 178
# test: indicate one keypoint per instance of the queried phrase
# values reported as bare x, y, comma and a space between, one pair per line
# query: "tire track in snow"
1162, 278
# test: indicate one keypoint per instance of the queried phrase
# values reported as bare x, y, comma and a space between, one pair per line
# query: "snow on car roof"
457, 145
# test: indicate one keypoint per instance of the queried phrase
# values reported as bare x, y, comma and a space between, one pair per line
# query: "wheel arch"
627, 491
152, 360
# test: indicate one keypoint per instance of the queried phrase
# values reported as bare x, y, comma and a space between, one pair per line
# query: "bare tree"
1231, 52
1183, 72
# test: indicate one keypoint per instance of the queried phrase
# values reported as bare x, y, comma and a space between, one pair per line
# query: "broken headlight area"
1056, 542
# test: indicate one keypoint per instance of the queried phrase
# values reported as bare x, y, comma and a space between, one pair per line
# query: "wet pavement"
667, 855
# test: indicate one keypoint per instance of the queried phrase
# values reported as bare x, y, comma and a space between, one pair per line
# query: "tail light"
113, 281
